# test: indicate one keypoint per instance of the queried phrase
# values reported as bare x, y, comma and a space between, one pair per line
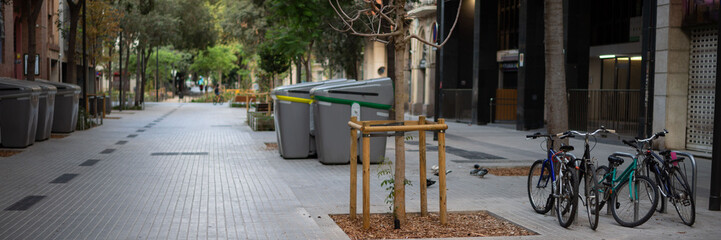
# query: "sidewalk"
196, 171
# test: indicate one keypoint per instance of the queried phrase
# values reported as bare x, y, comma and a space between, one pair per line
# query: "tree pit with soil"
460, 224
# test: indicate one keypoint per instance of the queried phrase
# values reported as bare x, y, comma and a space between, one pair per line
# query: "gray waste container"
18, 112
46, 109
65, 116
333, 104
293, 118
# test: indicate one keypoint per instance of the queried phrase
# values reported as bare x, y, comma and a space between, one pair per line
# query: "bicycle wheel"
567, 202
603, 186
539, 187
591, 194
633, 204
682, 197
221, 100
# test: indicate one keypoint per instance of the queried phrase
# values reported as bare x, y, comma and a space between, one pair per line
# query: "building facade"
420, 72
637, 66
14, 41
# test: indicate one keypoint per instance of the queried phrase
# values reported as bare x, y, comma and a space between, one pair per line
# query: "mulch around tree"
509, 171
460, 224
8, 153
269, 146
55, 135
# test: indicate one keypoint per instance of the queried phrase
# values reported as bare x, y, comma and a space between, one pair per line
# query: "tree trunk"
400, 54
127, 64
74, 8
110, 71
31, 10
298, 71
144, 79
308, 68
138, 74
556, 98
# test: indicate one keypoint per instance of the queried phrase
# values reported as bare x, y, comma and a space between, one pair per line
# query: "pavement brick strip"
200, 173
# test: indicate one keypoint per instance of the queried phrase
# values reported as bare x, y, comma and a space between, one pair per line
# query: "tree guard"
367, 128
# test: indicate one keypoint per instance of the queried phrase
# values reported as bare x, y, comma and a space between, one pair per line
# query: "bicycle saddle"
616, 161
566, 148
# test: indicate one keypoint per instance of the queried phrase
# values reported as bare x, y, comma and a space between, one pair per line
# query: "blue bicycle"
554, 179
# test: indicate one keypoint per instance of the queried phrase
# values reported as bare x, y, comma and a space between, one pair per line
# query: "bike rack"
694, 169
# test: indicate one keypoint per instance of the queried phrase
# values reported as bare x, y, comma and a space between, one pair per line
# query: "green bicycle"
632, 198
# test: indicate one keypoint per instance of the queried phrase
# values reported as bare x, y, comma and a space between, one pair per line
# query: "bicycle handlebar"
600, 130
558, 135
654, 136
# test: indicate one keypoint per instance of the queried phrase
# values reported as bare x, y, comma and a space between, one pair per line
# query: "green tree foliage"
298, 27
215, 59
195, 26
244, 21
273, 62
340, 52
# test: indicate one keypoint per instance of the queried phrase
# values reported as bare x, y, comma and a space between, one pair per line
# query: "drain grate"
108, 151
177, 153
65, 178
164, 153
148, 126
460, 152
25, 203
121, 142
470, 154
89, 162
220, 125
140, 130
194, 153
132, 135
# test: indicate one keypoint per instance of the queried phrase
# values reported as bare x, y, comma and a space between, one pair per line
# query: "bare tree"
556, 98
386, 21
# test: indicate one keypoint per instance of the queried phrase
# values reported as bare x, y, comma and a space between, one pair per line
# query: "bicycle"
670, 180
563, 180
218, 99
587, 171
631, 196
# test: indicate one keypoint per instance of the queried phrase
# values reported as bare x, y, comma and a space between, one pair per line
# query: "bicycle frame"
626, 174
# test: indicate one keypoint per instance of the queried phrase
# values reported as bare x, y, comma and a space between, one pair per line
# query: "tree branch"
458, 13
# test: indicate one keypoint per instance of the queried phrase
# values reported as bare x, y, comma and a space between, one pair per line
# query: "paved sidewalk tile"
196, 171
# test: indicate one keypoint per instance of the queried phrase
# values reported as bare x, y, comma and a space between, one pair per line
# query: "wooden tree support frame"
255, 96
368, 127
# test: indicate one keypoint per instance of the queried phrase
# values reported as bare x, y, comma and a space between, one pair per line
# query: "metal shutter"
701, 89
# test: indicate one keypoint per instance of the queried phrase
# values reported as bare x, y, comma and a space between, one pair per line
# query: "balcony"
422, 8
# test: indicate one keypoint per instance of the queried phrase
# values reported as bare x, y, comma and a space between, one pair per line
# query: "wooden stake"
366, 180
422, 168
353, 169
442, 171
